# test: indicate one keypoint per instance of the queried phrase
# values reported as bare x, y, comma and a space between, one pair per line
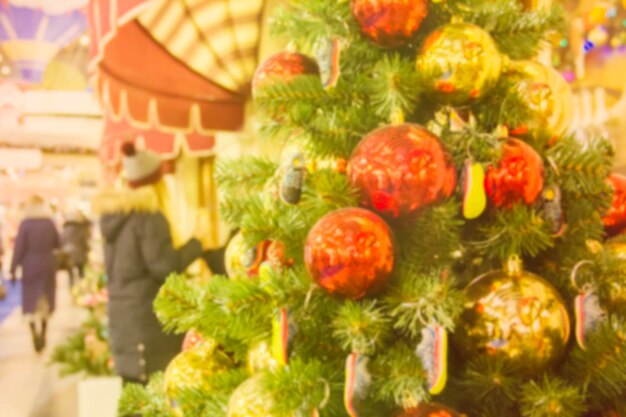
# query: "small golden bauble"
459, 63
250, 399
233, 257
259, 358
242, 260
193, 369
548, 97
517, 315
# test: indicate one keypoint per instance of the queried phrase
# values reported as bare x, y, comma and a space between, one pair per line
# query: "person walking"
139, 256
75, 244
34, 253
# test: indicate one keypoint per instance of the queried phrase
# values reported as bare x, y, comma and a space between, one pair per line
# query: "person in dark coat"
75, 243
139, 255
35, 246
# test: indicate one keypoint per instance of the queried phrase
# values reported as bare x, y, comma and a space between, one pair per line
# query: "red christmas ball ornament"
615, 218
518, 177
192, 339
401, 169
389, 23
350, 252
431, 410
283, 67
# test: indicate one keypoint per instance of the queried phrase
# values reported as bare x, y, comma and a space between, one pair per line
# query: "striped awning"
218, 39
105, 17
168, 145
138, 81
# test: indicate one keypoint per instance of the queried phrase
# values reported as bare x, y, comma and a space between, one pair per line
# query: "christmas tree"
432, 239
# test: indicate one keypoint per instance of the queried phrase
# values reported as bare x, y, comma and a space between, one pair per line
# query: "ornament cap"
513, 266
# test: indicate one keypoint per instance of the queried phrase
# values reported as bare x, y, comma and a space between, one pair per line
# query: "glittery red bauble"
400, 169
283, 67
518, 177
192, 339
430, 410
615, 218
389, 23
350, 252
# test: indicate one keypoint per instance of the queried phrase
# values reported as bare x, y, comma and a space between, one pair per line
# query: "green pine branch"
443, 226
148, 401
362, 327
582, 168
306, 22
505, 107
244, 175
601, 367
491, 386
178, 304
552, 397
304, 386
418, 299
516, 231
394, 86
398, 377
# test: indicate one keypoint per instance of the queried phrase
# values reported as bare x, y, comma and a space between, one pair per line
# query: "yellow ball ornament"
459, 63
259, 358
516, 315
250, 399
547, 95
193, 369
242, 260
233, 258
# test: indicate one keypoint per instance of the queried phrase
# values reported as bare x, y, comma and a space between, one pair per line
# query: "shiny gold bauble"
459, 63
193, 369
233, 257
259, 358
514, 314
547, 95
250, 400
242, 260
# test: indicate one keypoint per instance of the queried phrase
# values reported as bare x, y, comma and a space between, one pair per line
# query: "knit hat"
142, 167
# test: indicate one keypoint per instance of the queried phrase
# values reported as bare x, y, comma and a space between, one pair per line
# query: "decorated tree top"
429, 192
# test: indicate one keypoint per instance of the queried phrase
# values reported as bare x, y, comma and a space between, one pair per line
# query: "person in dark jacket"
35, 246
139, 255
75, 243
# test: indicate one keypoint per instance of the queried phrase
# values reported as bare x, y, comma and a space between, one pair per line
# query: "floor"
28, 386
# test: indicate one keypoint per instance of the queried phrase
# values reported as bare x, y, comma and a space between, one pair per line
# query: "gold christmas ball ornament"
547, 95
193, 369
459, 63
250, 399
259, 358
233, 258
515, 314
242, 260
